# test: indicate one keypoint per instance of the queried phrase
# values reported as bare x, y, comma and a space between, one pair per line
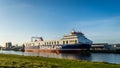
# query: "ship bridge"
75, 38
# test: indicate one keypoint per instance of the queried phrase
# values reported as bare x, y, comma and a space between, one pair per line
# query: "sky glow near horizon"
99, 20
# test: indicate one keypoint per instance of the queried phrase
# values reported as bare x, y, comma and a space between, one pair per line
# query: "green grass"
18, 61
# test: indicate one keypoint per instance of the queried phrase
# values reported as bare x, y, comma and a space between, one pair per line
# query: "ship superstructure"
74, 41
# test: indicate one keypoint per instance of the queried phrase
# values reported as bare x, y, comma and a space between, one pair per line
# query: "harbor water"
94, 57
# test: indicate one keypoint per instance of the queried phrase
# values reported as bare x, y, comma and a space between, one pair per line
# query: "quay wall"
105, 48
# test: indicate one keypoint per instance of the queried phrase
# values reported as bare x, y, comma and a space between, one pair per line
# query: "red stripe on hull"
56, 51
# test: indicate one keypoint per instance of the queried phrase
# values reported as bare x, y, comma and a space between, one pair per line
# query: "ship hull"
56, 51
64, 49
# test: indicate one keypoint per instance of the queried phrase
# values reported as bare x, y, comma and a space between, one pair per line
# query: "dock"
105, 48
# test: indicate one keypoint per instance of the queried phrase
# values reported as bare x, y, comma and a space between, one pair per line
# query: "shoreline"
18, 61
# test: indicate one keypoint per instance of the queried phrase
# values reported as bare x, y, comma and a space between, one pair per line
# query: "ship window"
45, 43
66, 42
75, 41
49, 43
63, 42
57, 42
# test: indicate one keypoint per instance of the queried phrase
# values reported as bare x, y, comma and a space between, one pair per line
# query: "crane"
33, 37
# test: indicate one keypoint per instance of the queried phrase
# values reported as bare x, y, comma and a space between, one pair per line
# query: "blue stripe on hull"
76, 46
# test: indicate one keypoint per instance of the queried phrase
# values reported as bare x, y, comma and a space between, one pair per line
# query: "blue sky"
99, 20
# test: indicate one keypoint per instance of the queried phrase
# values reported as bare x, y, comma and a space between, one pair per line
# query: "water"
94, 57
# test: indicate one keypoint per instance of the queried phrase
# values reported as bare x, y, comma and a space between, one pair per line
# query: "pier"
105, 48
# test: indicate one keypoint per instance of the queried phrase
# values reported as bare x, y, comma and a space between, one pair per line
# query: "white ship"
74, 42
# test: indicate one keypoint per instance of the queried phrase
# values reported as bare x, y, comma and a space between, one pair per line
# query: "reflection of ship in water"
77, 56
74, 42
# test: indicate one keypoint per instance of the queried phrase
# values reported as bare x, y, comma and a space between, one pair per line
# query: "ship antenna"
80, 30
73, 30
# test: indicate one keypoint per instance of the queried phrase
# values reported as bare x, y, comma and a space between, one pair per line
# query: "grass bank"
18, 61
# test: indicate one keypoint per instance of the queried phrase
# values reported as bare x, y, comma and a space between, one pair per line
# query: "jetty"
105, 48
